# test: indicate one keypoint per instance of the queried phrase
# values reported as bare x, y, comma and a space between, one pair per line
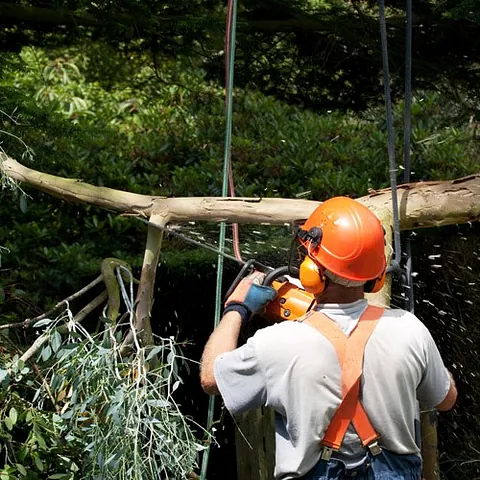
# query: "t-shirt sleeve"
435, 382
240, 379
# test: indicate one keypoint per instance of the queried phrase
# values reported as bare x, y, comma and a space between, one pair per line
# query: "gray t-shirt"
292, 368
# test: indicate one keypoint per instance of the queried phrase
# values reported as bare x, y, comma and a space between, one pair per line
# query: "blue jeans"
385, 466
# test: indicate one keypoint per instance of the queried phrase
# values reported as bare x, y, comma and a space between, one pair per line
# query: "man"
345, 380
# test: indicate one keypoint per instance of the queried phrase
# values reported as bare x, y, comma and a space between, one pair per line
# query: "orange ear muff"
375, 285
312, 277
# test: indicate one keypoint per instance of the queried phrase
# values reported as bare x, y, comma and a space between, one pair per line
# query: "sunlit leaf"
21, 469
8, 423
13, 414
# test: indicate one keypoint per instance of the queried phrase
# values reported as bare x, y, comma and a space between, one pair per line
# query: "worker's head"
345, 244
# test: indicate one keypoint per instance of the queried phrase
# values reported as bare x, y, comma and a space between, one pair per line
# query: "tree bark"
147, 283
423, 204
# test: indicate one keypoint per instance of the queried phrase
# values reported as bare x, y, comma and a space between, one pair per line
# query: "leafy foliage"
96, 413
314, 54
29, 436
110, 118
168, 140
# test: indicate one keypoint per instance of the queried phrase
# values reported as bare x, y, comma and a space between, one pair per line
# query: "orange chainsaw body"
291, 302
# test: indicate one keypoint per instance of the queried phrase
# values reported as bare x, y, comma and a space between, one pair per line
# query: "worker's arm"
223, 339
437, 387
249, 297
449, 401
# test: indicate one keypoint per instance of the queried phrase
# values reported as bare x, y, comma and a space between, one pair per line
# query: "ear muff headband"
312, 277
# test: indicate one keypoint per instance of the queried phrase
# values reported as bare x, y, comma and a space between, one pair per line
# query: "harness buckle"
326, 453
375, 448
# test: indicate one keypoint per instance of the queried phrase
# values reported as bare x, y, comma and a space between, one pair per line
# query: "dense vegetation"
313, 53
146, 114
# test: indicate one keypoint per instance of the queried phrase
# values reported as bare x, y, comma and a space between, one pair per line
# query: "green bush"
121, 123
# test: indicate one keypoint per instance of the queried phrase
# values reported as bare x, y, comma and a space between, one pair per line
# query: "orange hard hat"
346, 238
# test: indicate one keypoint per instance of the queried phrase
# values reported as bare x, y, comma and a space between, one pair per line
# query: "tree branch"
37, 344
29, 321
423, 204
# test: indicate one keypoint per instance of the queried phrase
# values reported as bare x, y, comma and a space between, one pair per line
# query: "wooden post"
428, 422
255, 444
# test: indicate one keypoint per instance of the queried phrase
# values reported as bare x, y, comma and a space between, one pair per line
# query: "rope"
230, 52
229, 66
395, 266
406, 145
391, 139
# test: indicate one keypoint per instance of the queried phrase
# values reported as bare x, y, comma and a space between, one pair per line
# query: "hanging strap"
350, 351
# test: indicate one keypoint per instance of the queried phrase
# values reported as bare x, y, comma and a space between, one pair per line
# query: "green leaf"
8, 423
46, 353
23, 204
43, 322
56, 341
13, 415
153, 352
38, 463
28, 417
3, 375
22, 470
40, 440
158, 403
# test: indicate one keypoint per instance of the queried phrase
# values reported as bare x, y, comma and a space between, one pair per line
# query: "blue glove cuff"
240, 309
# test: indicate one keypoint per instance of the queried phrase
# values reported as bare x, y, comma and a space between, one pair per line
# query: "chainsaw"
291, 302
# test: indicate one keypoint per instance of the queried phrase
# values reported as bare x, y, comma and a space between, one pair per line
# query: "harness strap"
350, 351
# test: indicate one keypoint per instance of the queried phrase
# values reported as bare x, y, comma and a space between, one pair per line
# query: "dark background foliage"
315, 54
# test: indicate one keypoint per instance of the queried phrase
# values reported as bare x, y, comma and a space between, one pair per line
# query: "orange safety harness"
350, 351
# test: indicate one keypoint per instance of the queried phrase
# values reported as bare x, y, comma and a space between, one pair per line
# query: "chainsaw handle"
280, 272
248, 267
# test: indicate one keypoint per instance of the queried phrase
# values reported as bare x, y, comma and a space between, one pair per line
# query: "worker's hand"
250, 296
